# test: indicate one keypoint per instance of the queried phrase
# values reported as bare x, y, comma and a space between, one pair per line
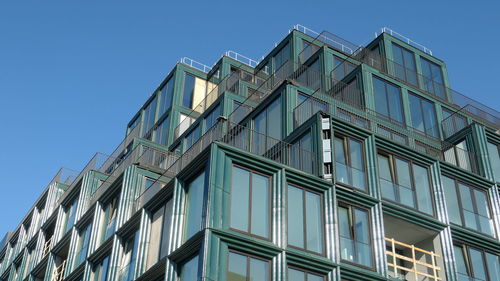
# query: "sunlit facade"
325, 160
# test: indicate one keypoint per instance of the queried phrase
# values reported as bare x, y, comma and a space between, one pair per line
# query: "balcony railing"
241, 58
47, 246
421, 270
195, 64
58, 274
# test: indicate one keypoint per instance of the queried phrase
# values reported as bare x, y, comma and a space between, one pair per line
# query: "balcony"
413, 252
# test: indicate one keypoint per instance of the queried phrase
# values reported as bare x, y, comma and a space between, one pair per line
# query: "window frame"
185, 186
401, 102
421, 100
465, 247
429, 63
406, 69
186, 73
270, 202
458, 181
322, 213
248, 257
393, 170
307, 271
350, 207
345, 143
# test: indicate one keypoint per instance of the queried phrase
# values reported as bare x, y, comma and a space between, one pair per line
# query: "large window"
404, 66
305, 219
162, 131
194, 91
194, 205
268, 124
433, 78
423, 115
166, 94
100, 270
192, 137
355, 238
211, 118
349, 162
468, 206
149, 118
405, 182
83, 245
184, 124
108, 221
129, 256
160, 233
250, 202
494, 155
295, 274
190, 269
388, 100
70, 213
246, 268
301, 156
475, 264
281, 57
341, 68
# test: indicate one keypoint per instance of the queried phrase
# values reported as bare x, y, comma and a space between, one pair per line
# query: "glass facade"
433, 78
494, 156
474, 264
299, 275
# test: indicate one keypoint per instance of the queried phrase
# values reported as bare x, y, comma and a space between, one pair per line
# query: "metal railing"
47, 246
329, 39
405, 39
195, 64
59, 272
241, 58
415, 257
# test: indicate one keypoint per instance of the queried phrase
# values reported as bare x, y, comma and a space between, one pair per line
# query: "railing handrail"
195, 64
312, 33
405, 39
241, 58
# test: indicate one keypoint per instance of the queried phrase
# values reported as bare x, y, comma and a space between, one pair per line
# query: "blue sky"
72, 73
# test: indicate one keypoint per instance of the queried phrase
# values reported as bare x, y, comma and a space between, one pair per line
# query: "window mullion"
250, 193
304, 220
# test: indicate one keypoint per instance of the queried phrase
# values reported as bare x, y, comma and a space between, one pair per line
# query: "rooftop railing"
329, 39
195, 64
241, 58
404, 39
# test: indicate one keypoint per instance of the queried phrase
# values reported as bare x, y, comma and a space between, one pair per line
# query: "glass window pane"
314, 277
460, 260
194, 205
394, 103
403, 173
295, 216
166, 229
344, 226
260, 205
493, 264
296, 275
356, 150
259, 270
339, 151
477, 261
314, 222
240, 198
237, 268
423, 192
430, 121
494, 156
274, 119
363, 245
380, 97
451, 200
166, 97
187, 95
190, 270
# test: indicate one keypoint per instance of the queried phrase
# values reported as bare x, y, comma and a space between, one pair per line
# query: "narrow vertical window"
423, 115
355, 238
388, 102
188, 91
433, 78
190, 270
494, 156
349, 162
404, 66
166, 94
194, 205
149, 119
250, 210
305, 219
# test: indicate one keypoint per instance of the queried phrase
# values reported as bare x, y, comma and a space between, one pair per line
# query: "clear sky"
72, 73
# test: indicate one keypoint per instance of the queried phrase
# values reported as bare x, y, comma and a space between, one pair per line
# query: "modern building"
324, 160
